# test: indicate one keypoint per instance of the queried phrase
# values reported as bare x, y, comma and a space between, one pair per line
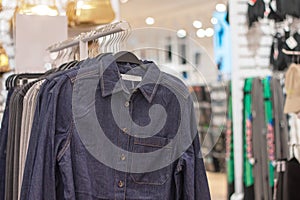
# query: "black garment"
230, 190
255, 11
290, 58
249, 193
279, 189
289, 7
275, 14
292, 180
227, 14
277, 57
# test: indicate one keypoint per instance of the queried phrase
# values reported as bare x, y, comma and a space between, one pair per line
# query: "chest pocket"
146, 145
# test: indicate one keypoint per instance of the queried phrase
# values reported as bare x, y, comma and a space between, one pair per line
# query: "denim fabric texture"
59, 164
3, 143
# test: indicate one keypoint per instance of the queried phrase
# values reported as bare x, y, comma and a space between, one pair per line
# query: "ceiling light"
150, 20
181, 33
220, 7
123, 1
214, 20
44, 10
201, 33
197, 24
209, 32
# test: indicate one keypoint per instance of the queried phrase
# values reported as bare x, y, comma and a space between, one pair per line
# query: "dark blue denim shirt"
65, 164
3, 143
43, 108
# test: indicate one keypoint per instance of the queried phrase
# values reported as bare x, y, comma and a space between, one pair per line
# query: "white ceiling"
169, 12
172, 14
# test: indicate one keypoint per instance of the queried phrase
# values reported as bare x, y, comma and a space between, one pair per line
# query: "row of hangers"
109, 38
99, 41
288, 28
15, 80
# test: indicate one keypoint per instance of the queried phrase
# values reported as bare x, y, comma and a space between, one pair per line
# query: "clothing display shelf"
83, 39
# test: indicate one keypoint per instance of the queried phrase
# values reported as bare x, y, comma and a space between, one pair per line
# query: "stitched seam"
67, 144
83, 75
87, 193
149, 183
151, 145
179, 89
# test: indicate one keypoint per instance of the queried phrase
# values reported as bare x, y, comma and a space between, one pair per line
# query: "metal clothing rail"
64, 44
83, 39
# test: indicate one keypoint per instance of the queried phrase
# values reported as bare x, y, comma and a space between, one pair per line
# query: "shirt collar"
111, 82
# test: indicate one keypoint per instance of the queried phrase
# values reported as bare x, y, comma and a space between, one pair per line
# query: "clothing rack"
83, 39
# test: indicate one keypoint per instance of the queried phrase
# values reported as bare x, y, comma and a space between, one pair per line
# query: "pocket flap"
154, 141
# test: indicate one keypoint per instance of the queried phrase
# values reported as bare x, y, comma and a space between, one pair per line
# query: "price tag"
128, 77
291, 42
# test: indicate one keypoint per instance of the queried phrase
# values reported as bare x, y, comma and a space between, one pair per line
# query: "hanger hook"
119, 37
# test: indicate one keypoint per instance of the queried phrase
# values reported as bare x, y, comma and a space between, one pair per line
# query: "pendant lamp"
89, 12
37, 7
4, 65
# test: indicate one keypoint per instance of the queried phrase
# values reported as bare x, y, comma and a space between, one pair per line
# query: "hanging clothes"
222, 45
229, 147
248, 140
256, 10
261, 166
289, 7
270, 136
281, 137
3, 143
274, 12
265, 140
277, 57
61, 155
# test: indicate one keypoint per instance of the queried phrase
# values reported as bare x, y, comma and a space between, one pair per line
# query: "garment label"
291, 42
128, 77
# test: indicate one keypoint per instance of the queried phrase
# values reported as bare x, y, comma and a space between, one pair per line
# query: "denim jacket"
163, 162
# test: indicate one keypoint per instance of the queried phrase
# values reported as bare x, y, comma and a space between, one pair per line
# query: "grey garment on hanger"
13, 143
281, 137
29, 106
261, 166
10, 147
280, 120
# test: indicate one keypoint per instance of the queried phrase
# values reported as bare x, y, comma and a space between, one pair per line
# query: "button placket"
125, 130
122, 156
127, 104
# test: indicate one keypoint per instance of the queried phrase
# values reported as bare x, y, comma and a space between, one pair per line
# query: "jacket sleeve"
40, 157
190, 169
46, 145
